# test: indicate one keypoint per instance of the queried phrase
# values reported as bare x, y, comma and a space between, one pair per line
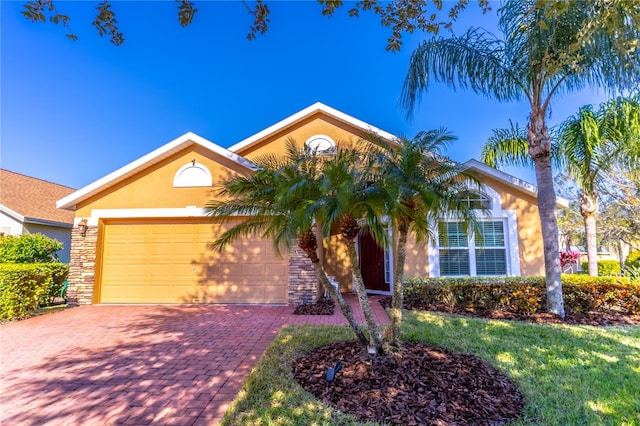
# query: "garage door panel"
275, 271
252, 270
174, 263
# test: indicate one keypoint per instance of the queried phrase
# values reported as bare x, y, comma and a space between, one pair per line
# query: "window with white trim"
482, 252
476, 200
192, 174
321, 145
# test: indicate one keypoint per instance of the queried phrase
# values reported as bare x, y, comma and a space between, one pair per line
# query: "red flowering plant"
568, 257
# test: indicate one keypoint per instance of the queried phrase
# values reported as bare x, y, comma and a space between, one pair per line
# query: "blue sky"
72, 112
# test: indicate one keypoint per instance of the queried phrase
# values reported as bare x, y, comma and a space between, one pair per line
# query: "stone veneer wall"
82, 266
303, 282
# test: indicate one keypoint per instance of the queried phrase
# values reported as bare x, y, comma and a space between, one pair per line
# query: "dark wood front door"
372, 264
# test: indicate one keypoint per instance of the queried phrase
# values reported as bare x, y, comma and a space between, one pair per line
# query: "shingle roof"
32, 198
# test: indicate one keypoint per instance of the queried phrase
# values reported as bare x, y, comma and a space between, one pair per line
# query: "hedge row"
526, 295
605, 267
23, 287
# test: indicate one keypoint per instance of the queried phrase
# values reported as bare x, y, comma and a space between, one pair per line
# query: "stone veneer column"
82, 266
303, 282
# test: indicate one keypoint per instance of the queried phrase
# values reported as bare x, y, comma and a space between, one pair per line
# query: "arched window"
192, 174
476, 200
321, 144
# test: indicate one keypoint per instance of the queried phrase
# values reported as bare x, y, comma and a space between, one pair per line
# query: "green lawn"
569, 375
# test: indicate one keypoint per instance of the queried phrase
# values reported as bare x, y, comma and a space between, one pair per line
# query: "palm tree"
586, 146
351, 202
548, 48
277, 202
421, 187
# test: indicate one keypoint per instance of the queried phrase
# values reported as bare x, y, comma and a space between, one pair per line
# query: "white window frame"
315, 142
203, 179
512, 250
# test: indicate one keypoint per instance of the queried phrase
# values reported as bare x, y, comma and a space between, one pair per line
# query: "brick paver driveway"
138, 365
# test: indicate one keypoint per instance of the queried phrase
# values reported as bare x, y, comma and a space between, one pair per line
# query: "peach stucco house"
145, 238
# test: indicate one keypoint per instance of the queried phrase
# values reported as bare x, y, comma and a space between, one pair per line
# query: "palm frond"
474, 60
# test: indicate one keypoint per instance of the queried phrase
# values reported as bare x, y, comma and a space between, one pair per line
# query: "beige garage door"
168, 262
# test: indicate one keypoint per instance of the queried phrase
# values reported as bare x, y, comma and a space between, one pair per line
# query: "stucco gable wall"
528, 226
153, 187
317, 124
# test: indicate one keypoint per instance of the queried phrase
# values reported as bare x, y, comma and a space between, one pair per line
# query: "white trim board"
312, 109
147, 160
97, 214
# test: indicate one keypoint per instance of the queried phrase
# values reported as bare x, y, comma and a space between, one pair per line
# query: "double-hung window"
465, 251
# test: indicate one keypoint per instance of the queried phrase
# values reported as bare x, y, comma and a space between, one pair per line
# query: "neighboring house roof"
148, 160
32, 200
307, 112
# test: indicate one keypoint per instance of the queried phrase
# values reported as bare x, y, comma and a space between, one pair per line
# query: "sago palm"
277, 201
420, 187
547, 48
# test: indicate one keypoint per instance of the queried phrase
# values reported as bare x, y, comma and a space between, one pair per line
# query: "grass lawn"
569, 375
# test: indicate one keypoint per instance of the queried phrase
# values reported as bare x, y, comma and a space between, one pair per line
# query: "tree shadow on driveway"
132, 364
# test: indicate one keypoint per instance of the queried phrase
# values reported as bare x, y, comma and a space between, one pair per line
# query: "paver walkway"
112, 365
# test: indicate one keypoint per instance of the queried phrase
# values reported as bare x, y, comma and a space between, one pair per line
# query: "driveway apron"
112, 365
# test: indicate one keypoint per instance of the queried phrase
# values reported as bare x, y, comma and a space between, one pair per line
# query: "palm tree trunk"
540, 148
398, 289
336, 296
588, 209
361, 291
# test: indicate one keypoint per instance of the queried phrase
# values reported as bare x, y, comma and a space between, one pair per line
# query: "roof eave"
511, 180
45, 222
70, 201
310, 110
12, 213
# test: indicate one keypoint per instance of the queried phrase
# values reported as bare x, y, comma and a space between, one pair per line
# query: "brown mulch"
418, 385
589, 318
321, 307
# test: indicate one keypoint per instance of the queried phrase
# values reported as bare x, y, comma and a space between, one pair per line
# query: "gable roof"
189, 138
510, 180
307, 112
155, 156
32, 200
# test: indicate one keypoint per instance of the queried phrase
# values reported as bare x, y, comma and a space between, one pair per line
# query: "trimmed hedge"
526, 295
23, 287
605, 267
28, 248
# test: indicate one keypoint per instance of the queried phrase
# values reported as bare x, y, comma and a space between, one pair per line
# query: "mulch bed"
321, 307
418, 385
589, 318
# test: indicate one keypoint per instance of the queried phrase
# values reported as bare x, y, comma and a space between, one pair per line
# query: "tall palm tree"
547, 48
278, 202
421, 187
586, 147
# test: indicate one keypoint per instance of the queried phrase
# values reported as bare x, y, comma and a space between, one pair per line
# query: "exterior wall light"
82, 226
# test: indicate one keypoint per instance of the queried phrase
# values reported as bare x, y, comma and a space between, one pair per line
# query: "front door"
372, 264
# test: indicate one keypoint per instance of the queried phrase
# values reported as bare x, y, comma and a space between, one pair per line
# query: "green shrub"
633, 260
525, 295
24, 286
28, 248
633, 273
605, 267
